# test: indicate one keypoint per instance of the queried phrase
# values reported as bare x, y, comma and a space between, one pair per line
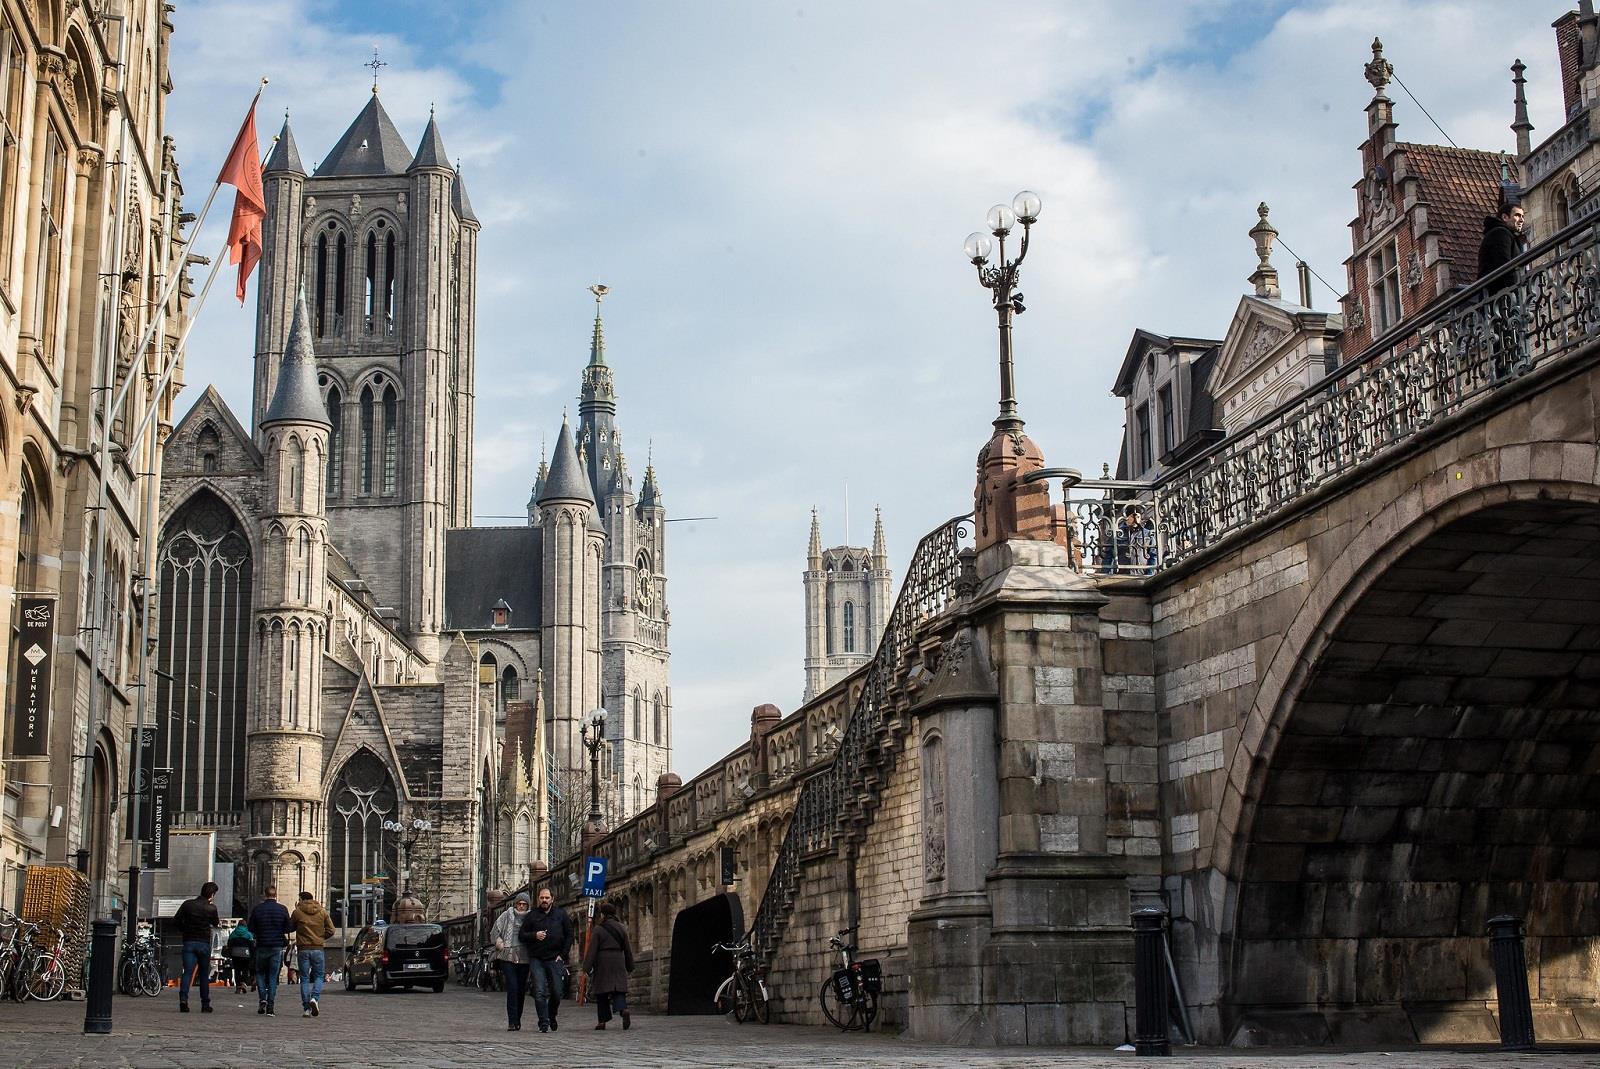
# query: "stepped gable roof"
1460, 186
485, 565
567, 480
297, 397
372, 146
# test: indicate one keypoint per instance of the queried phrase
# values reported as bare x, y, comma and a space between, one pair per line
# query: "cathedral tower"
848, 591
283, 780
383, 241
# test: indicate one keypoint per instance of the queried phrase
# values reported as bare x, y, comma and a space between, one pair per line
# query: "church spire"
880, 545
597, 344
297, 398
285, 157
814, 552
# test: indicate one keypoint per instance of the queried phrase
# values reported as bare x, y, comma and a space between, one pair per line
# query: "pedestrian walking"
270, 923
312, 930
547, 934
195, 920
608, 961
512, 957
240, 950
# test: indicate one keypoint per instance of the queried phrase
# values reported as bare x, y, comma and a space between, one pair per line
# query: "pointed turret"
285, 157
880, 545
459, 201
566, 479
650, 493
430, 153
371, 146
814, 552
297, 398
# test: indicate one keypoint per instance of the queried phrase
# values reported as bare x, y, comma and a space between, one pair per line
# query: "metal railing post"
1150, 982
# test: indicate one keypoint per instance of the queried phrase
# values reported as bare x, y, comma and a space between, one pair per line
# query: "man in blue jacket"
269, 921
547, 933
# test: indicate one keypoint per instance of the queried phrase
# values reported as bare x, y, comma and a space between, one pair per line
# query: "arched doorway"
696, 972
1437, 767
362, 856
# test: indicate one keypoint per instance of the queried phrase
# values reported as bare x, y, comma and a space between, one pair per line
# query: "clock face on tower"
646, 591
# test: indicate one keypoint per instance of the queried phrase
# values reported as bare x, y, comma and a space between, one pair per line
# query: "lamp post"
1000, 278
593, 733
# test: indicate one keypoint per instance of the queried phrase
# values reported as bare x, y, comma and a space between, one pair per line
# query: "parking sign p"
594, 877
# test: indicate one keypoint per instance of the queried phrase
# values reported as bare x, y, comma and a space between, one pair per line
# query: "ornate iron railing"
818, 821
1542, 307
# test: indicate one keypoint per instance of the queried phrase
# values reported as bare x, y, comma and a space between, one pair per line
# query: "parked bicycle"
140, 970
31, 966
744, 993
850, 996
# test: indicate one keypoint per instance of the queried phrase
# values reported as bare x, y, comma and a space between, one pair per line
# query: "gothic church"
361, 692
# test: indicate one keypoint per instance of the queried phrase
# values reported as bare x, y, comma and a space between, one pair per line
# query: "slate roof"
372, 146
297, 397
285, 156
567, 480
459, 201
1460, 187
431, 152
483, 565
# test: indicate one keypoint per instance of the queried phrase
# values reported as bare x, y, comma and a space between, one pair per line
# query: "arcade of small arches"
374, 282
376, 450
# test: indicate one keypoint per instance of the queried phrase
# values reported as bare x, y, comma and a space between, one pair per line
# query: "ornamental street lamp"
1001, 280
593, 733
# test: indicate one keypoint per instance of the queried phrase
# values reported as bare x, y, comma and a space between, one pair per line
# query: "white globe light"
977, 247
1001, 219
1027, 205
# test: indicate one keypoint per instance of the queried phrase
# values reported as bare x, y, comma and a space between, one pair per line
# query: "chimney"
1302, 271
1569, 49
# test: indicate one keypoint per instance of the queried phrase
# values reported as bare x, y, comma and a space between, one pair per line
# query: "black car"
398, 955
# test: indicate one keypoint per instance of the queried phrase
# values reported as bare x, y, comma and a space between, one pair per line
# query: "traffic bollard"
102, 971
1150, 984
1511, 982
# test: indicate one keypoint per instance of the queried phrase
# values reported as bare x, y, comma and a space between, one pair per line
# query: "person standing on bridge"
547, 933
608, 961
1502, 239
512, 957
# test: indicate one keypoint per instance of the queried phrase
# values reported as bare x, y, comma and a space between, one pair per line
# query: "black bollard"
1150, 984
1511, 982
102, 971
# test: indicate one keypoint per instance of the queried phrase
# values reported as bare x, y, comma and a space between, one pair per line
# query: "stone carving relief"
1356, 316
933, 814
1413, 271
1377, 200
355, 204
1262, 341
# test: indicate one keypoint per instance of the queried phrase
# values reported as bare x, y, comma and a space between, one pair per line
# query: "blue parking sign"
594, 877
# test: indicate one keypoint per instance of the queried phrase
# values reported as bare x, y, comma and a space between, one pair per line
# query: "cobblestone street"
462, 1028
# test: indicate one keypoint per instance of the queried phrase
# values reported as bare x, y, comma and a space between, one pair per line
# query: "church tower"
634, 652
283, 784
848, 592
383, 241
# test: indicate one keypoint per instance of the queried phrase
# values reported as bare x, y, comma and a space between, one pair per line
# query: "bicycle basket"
872, 975
844, 985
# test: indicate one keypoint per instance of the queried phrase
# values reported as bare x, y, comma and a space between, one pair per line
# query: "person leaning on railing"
1502, 239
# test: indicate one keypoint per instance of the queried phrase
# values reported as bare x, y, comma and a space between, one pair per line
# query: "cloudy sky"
777, 194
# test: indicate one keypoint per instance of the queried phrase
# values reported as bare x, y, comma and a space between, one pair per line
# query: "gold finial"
599, 289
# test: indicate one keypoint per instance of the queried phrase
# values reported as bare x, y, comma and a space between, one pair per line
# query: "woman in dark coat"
608, 961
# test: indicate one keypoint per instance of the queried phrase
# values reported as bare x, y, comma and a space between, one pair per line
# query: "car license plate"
416, 966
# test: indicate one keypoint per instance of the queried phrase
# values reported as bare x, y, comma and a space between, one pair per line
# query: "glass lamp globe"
977, 247
1027, 205
1001, 219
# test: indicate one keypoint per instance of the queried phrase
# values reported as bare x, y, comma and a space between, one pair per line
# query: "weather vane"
599, 289
376, 64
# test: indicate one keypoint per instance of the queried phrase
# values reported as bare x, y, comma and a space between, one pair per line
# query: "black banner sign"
156, 849
30, 706
139, 779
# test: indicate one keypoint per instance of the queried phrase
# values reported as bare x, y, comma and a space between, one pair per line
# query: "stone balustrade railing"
1557, 150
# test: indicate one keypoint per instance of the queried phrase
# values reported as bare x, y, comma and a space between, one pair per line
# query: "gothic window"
322, 286
388, 283
638, 714
10, 139
202, 654
330, 277
1559, 209
292, 682
827, 626
28, 534
510, 685
302, 563
1383, 271
335, 404
206, 444
849, 627
362, 798
294, 456
366, 440
391, 439
848, 565
659, 735
370, 287
638, 794
52, 215
338, 284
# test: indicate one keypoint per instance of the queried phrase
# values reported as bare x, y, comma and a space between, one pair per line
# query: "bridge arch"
1424, 753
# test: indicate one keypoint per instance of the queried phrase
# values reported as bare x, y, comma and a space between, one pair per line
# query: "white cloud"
778, 196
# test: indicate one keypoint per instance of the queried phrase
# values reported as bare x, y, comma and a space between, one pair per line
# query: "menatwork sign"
30, 697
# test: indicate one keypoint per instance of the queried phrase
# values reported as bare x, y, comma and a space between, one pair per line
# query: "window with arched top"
849, 627
638, 714
334, 401
659, 735
362, 799
391, 440
54, 182
390, 288
510, 684
11, 80
329, 269
364, 461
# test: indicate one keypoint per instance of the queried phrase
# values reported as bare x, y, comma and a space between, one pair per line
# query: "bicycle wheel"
759, 1003
150, 982
841, 1013
48, 979
128, 977
866, 1010
743, 1002
8, 958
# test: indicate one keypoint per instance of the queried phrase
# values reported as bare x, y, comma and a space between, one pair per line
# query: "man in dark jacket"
269, 921
547, 933
1502, 241
195, 920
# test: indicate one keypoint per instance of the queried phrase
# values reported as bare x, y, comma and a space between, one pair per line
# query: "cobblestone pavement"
465, 1029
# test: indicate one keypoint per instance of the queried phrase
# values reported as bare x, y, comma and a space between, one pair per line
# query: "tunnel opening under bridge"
1437, 767
696, 971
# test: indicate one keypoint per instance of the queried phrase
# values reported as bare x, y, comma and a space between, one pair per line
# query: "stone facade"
848, 590
90, 232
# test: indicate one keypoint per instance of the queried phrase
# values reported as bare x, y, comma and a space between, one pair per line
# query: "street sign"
594, 877
156, 849
30, 698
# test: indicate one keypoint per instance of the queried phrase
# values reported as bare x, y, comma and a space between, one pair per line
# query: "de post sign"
30, 698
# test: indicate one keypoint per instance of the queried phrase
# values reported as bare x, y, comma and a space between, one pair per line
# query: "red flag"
242, 170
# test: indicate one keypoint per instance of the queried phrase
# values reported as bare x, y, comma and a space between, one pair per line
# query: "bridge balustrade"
1443, 362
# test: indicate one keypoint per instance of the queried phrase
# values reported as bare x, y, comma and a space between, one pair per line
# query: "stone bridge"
1330, 694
